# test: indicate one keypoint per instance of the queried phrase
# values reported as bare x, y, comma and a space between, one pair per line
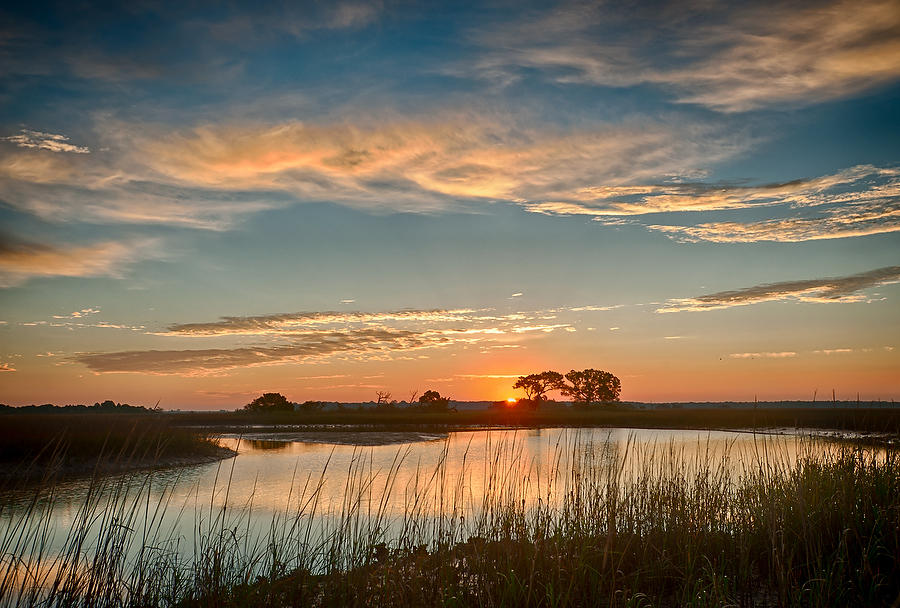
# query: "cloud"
107, 188
316, 337
834, 289
727, 57
210, 176
45, 141
21, 261
303, 347
595, 308
489, 376
848, 221
78, 314
855, 185
833, 351
7, 367
859, 201
340, 386
285, 322
422, 164
769, 355
323, 377
542, 328
295, 19
353, 14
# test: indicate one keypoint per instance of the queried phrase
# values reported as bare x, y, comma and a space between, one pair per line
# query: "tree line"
584, 387
107, 407
276, 402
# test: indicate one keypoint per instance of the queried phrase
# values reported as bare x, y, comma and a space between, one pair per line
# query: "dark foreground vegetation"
824, 531
106, 407
34, 445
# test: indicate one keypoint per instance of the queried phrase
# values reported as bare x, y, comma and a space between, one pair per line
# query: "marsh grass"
881, 422
643, 526
35, 446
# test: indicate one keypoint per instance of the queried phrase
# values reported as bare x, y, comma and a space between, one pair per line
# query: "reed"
649, 527
82, 443
875, 418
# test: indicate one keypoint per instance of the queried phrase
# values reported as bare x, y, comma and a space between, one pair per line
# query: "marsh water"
301, 488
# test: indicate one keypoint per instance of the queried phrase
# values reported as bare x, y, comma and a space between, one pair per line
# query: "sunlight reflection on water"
383, 488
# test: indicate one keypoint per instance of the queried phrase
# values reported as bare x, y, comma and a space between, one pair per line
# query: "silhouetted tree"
270, 402
432, 400
591, 386
383, 397
537, 385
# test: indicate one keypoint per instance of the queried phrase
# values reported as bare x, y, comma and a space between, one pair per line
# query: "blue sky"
702, 198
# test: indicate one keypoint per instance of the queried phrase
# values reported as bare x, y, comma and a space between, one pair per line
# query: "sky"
202, 202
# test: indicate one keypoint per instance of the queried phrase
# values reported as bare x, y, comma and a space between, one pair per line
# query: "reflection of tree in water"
266, 445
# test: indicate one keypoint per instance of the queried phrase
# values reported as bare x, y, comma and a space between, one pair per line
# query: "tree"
591, 386
537, 385
312, 406
384, 397
432, 400
270, 402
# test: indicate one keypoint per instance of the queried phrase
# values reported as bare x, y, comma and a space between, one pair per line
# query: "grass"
644, 528
861, 419
34, 445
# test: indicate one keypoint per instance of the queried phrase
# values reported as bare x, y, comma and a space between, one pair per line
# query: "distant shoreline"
870, 421
487, 405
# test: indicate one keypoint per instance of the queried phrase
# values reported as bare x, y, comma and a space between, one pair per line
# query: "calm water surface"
303, 489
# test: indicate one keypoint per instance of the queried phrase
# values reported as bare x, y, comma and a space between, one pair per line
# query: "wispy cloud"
595, 308
7, 367
295, 19
859, 201
285, 322
834, 289
542, 328
38, 140
424, 164
318, 337
855, 185
765, 355
488, 376
303, 347
212, 175
95, 188
739, 58
853, 220
21, 261
323, 377
78, 314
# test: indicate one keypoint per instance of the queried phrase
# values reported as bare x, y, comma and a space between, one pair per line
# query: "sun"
511, 401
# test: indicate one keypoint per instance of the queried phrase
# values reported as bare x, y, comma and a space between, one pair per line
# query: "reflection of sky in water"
392, 487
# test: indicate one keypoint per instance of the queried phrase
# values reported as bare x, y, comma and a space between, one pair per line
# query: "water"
303, 494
